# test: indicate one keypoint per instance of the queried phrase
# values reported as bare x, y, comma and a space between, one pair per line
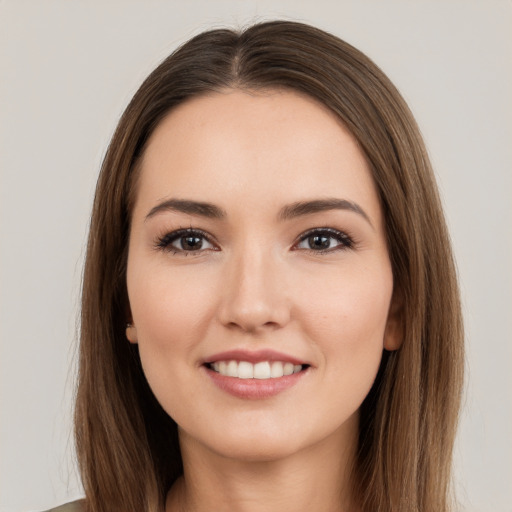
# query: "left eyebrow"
300, 208
288, 212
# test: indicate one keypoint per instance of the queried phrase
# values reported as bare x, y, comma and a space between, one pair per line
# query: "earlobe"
393, 334
131, 333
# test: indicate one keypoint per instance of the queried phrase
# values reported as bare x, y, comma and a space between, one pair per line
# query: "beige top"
74, 506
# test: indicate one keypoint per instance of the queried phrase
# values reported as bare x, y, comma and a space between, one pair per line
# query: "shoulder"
73, 506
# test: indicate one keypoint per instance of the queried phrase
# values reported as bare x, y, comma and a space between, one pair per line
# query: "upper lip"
255, 356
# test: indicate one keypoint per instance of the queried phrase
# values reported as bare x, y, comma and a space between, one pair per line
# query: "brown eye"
319, 241
325, 240
193, 243
184, 241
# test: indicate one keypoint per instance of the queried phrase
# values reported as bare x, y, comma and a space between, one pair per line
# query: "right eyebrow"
201, 209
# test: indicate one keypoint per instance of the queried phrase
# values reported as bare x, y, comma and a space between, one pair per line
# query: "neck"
315, 478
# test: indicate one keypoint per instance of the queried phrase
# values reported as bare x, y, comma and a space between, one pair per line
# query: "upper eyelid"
332, 231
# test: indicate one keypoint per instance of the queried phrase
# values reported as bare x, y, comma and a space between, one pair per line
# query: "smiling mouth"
262, 370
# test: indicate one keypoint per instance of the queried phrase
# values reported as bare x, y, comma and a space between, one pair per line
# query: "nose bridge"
255, 294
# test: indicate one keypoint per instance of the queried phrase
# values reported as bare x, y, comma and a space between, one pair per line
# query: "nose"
255, 294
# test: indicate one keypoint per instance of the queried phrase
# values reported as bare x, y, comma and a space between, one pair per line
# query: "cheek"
168, 307
172, 310
346, 317
346, 321
171, 314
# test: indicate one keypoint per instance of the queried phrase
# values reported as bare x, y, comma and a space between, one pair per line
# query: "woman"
270, 313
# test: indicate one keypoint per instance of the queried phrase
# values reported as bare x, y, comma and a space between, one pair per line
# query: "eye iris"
191, 242
319, 241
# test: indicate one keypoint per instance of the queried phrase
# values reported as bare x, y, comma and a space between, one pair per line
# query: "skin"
255, 285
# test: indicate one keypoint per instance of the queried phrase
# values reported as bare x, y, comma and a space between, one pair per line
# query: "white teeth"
288, 368
245, 370
262, 370
232, 369
276, 370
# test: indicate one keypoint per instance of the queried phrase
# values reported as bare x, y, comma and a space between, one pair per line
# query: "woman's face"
257, 249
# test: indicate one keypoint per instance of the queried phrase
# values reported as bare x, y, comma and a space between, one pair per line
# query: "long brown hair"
127, 445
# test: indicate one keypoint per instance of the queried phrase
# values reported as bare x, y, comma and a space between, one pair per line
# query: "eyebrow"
288, 212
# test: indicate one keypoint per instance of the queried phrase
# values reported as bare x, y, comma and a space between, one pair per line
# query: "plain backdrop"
68, 69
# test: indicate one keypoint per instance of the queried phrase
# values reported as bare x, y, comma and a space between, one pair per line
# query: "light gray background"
69, 67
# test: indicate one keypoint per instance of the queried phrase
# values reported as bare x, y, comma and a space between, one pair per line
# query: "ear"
394, 332
131, 333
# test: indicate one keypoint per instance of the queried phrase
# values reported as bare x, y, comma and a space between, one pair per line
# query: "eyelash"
164, 242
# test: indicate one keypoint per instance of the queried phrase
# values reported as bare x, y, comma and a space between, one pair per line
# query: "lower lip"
254, 389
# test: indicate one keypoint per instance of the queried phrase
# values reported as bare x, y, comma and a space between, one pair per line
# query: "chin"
266, 441
255, 449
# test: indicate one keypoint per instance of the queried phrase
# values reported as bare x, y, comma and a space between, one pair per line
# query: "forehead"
265, 147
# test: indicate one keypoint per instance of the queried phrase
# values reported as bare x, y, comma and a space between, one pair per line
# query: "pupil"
193, 242
321, 242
